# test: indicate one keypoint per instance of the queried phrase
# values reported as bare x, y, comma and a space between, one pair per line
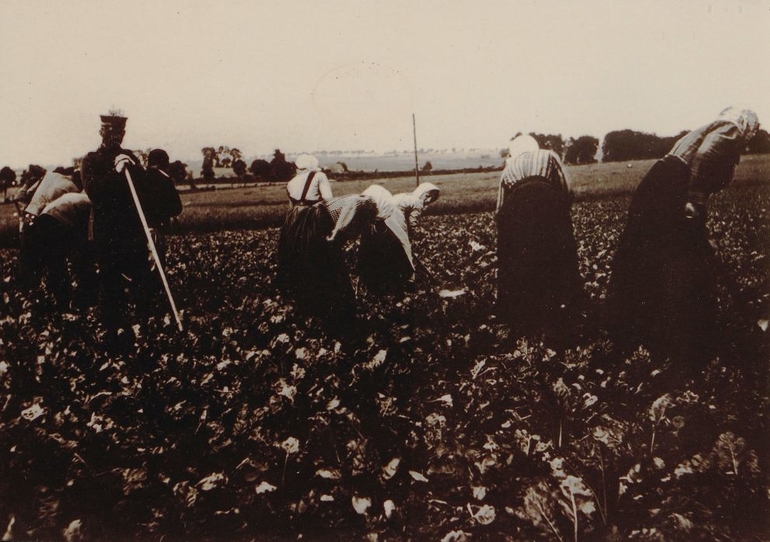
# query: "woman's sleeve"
348, 207
499, 197
561, 173
411, 207
714, 164
413, 214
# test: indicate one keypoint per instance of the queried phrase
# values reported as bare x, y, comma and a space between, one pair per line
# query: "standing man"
115, 228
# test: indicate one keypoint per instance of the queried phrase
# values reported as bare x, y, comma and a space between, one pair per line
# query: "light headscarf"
424, 190
307, 162
746, 120
521, 144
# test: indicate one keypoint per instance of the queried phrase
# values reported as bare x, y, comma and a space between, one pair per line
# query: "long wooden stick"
153, 249
416, 165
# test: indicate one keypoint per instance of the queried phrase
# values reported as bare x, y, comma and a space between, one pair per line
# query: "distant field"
255, 207
265, 206
401, 161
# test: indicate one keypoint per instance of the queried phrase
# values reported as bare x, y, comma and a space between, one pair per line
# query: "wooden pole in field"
153, 249
416, 166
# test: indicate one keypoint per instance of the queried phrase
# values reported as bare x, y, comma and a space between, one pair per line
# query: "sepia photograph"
384, 271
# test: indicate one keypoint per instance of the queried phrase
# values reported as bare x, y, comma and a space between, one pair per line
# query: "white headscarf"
746, 120
413, 203
307, 162
424, 189
521, 144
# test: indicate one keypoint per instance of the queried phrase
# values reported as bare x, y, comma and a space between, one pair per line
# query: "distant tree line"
222, 157
276, 170
624, 145
617, 146
573, 151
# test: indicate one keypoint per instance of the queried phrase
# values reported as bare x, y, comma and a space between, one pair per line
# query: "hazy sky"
348, 74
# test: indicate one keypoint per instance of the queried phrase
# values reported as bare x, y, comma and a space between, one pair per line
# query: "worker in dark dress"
662, 294
159, 197
539, 288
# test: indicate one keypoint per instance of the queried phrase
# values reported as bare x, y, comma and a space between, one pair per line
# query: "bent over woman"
385, 261
539, 285
662, 290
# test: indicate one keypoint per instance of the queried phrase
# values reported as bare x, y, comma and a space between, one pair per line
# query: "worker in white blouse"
310, 185
59, 235
299, 235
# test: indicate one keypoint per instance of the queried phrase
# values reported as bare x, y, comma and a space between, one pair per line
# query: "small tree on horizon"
177, 170
280, 169
222, 156
207, 168
260, 169
7, 178
581, 150
239, 168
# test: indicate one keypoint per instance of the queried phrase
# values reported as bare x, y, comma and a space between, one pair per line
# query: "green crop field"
437, 424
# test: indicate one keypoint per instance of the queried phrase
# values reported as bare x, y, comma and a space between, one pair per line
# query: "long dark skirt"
47, 247
312, 270
539, 284
383, 266
662, 292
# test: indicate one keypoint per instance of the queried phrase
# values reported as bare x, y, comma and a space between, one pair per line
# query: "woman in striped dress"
539, 284
662, 289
